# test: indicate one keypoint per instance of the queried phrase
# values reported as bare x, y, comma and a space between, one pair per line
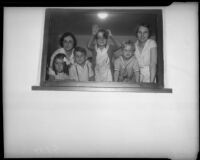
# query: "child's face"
128, 51
80, 58
68, 43
143, 34
59, 65
101, 40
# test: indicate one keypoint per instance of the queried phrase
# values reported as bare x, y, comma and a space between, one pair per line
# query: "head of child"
128, 49
80, 55
143, 32
102, 38
68, 41
58, 63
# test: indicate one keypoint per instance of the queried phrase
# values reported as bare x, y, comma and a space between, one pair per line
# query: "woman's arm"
153, 62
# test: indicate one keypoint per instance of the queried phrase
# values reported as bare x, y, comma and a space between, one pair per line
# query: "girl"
102, 53
146, 54
67, 43
126, 66
81, 70
60, 68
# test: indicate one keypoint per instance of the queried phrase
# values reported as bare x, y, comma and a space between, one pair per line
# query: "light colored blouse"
144, 57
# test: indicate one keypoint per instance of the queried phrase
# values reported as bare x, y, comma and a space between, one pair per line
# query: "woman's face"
68, 43
59, 65
101, 40
143, 34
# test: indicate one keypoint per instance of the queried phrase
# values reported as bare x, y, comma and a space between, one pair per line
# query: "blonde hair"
128, 43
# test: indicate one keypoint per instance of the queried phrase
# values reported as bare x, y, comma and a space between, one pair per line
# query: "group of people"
136, 61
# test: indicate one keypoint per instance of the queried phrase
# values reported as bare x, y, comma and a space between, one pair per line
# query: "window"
122, 24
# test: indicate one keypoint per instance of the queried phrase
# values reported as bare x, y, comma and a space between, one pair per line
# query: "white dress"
102, 68
144, 59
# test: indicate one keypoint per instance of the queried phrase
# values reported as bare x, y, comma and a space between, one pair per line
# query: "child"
60, 68
102, 53
126, 68
81, 70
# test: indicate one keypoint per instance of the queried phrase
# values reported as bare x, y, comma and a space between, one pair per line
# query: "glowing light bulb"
102, 15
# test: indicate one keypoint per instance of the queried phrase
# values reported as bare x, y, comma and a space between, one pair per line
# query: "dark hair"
144, 25
65, 68
66, 34
105, 33
80, 49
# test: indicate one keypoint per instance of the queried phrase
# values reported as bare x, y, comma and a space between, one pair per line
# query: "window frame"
104, 86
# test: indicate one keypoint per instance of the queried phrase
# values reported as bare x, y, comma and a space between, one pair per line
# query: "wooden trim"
160, 61
102, 89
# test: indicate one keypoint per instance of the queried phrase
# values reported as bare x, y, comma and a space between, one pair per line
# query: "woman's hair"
105, 33
128, 43
65, 68
143, 25
80, 49
66, 34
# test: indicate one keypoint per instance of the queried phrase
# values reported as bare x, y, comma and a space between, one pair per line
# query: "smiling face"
143, 34
101, 40
80, 57
128, 51
68, 43
59, 65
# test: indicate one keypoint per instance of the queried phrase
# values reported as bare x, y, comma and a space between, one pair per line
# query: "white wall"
111, 124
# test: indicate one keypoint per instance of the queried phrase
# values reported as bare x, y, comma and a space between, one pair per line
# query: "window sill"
102, 87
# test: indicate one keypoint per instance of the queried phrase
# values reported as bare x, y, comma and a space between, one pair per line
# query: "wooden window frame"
104, 86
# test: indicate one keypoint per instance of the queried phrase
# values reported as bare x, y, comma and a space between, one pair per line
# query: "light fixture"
102, 15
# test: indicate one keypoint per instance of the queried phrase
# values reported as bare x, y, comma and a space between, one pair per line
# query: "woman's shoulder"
152, 42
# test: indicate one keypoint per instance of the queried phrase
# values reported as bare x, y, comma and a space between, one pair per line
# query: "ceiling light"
102, 15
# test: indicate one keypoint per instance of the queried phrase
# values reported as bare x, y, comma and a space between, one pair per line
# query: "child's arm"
91, 41
116, 44
116, 70
91, 73
90, 45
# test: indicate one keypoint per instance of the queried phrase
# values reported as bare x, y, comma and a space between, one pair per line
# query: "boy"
126, 68
81, 70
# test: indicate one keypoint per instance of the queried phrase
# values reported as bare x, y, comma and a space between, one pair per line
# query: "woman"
67, 43
146, 54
